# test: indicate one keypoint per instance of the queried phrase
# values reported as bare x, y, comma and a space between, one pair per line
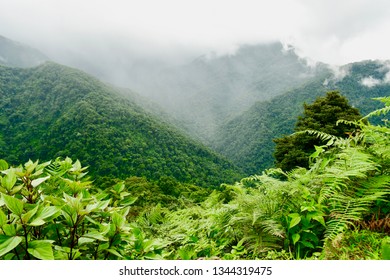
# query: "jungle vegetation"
336, 208
55, 111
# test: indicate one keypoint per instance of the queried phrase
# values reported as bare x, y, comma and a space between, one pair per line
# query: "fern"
382, 111
385, 100
322, 135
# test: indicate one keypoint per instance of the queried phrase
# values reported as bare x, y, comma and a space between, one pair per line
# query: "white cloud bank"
370, 82
331, 31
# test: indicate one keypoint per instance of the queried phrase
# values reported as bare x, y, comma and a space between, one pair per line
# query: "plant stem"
26, 242
17, 254
95, 255
109, 246
73, 235
59, 236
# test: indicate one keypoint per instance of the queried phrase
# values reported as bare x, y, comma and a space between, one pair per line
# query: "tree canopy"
322, 115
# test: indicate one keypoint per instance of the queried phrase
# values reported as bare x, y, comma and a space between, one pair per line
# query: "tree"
294, 150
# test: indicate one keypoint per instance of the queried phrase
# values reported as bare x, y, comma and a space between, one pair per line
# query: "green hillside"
247, 139
53, 111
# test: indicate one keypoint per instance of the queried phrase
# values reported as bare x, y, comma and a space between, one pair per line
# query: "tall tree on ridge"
294, 150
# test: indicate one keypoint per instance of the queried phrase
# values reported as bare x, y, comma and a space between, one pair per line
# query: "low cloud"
339, 72
117, 36
370, 82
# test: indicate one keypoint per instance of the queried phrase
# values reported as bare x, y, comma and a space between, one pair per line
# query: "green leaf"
74, 203
69, 214
318, 151
40, 167
95, 235
128, 201
59, 253
30, 166
118, 220
152, 256
3, 165
7, 243
48, 212
100, 205
37, 222
307, 244
9, 229
26, 217
3, 218
16, 189
295, 238
295, 219
39, 181
41, 249
319, 219
385, 248
13, 204
9, 180
118, 188
83, 240
114, 252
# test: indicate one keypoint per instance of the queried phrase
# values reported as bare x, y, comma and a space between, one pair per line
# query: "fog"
110, 32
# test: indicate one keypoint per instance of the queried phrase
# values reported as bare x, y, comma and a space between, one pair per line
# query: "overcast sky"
331, 31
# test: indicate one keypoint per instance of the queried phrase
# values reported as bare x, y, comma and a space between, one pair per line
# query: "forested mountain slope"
247, 139
52, 110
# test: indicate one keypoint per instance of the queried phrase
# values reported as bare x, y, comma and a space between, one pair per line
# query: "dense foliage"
322, 115
53, 111
53, 211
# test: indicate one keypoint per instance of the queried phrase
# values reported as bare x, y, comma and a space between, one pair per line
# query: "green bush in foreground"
50, 211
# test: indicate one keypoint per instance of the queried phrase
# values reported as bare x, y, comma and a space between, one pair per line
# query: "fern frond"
375, 187
357, 123
346, 211
385, 100
379, 112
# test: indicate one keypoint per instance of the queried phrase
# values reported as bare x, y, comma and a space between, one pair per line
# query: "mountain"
247, 139
15, 54
54, 111
209, 90
235, 104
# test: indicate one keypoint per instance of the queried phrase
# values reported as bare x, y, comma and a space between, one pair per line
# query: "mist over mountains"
209, 90
234, 104
206, 90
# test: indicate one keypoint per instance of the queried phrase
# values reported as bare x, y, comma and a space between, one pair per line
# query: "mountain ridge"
55, 111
